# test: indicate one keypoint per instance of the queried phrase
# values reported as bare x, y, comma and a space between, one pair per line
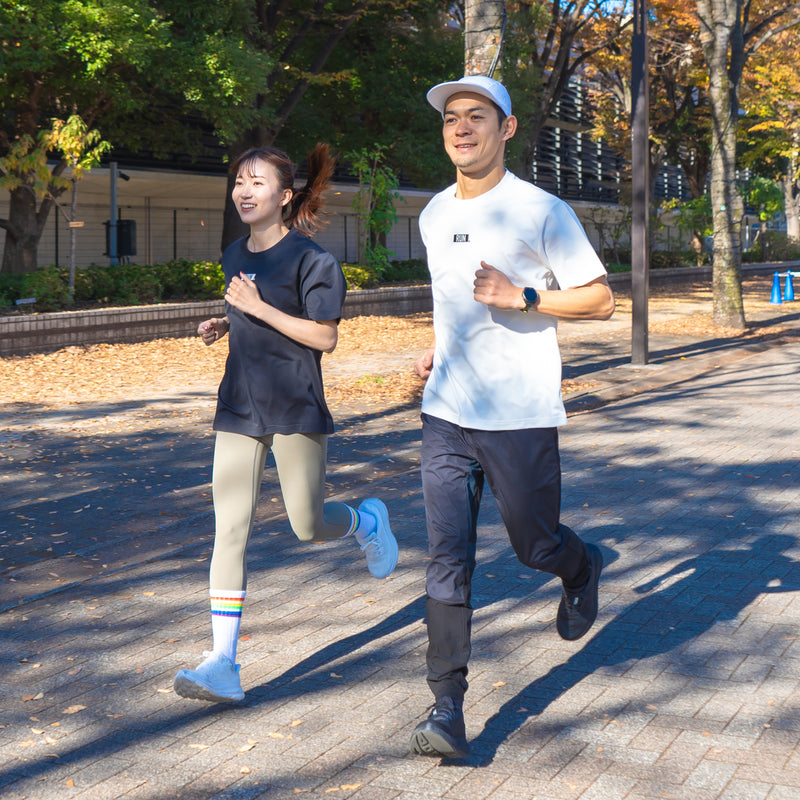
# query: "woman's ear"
287, 196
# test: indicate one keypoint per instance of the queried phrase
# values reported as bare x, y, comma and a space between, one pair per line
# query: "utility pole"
112, 222
640, 179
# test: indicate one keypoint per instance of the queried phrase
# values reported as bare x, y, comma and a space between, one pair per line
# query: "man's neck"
469, 186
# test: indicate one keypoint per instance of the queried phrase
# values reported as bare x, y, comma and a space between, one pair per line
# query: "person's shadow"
678, 607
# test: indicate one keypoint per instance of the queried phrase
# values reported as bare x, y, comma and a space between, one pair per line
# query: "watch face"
530, 295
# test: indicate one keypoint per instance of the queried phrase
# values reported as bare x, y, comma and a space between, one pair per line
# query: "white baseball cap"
478, 84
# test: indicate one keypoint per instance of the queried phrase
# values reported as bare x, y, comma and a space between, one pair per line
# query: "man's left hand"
494, 288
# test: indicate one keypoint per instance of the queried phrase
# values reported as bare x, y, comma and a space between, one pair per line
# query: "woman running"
283, 303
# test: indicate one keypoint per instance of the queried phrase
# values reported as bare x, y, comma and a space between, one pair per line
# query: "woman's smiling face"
257, 195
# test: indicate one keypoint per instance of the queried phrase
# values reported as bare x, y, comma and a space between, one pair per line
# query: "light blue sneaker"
215, 680
379, 547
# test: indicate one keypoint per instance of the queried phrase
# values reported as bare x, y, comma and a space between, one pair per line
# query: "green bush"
177, 280
115, 285
191, 280
772, 246
668, 259
359, 277
50, 287
11, 289
412, 269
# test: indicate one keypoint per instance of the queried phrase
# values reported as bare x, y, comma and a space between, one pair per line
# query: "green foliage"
374, 90
50, 287
374, 205
765, 196
115, 285
411, 269
692, 216
173, 281
11, 289
138, 72
359, 276
773, 246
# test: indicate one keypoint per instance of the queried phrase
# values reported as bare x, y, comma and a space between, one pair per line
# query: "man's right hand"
213, 329
424, 364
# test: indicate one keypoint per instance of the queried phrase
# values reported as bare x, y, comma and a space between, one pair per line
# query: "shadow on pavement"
709, 589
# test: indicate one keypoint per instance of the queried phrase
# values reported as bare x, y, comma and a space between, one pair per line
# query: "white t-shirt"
496, 369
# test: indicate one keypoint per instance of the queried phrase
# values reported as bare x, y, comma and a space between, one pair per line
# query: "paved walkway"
684, 472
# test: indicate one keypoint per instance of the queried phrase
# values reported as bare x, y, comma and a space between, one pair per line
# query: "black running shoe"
443, 733
577, 610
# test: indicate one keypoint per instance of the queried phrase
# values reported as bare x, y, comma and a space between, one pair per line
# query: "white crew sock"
226, 616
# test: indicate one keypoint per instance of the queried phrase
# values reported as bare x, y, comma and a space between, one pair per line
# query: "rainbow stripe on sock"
355, 519
226, 606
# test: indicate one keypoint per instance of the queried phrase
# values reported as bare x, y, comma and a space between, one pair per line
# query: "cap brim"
442, 92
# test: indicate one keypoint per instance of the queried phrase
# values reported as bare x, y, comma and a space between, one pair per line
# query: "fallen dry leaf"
73, 709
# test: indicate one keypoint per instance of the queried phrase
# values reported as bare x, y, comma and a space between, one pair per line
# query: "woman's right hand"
213, 329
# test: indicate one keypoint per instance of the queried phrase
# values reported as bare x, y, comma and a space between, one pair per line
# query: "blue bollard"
788, 292
776, 290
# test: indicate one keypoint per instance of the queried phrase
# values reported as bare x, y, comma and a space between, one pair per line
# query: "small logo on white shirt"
460, 237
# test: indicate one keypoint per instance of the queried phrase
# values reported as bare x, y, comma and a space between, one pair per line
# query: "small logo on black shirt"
460, 237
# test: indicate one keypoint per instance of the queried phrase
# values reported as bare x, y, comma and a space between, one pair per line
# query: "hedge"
174, 281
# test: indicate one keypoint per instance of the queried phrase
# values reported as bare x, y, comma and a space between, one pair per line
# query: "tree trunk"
721, 39
483, 37
23, 232
791, 198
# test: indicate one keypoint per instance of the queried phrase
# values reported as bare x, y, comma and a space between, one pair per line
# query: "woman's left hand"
242, 293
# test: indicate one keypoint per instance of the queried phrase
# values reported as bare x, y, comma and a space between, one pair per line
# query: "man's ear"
509, 127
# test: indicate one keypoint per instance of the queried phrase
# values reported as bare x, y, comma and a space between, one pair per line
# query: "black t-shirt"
273, 384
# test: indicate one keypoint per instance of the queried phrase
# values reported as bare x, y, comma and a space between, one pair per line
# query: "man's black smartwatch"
529, 297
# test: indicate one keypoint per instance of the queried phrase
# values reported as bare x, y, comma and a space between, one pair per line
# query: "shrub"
359, 277
412, 269
177, 280
191, 280
115, 284
772, 246
11, 289
50, 287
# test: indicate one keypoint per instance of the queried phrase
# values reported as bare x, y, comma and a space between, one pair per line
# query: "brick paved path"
687, 689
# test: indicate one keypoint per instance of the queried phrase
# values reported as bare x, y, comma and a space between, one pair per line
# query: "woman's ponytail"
306, 206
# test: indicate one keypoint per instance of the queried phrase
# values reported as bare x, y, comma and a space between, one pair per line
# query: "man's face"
473, 137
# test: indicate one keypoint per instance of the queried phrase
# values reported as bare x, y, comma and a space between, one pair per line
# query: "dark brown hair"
304, 211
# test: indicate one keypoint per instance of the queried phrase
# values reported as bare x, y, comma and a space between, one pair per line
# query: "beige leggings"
238, 469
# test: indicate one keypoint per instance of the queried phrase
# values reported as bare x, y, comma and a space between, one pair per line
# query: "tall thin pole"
640, 176
112, 222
